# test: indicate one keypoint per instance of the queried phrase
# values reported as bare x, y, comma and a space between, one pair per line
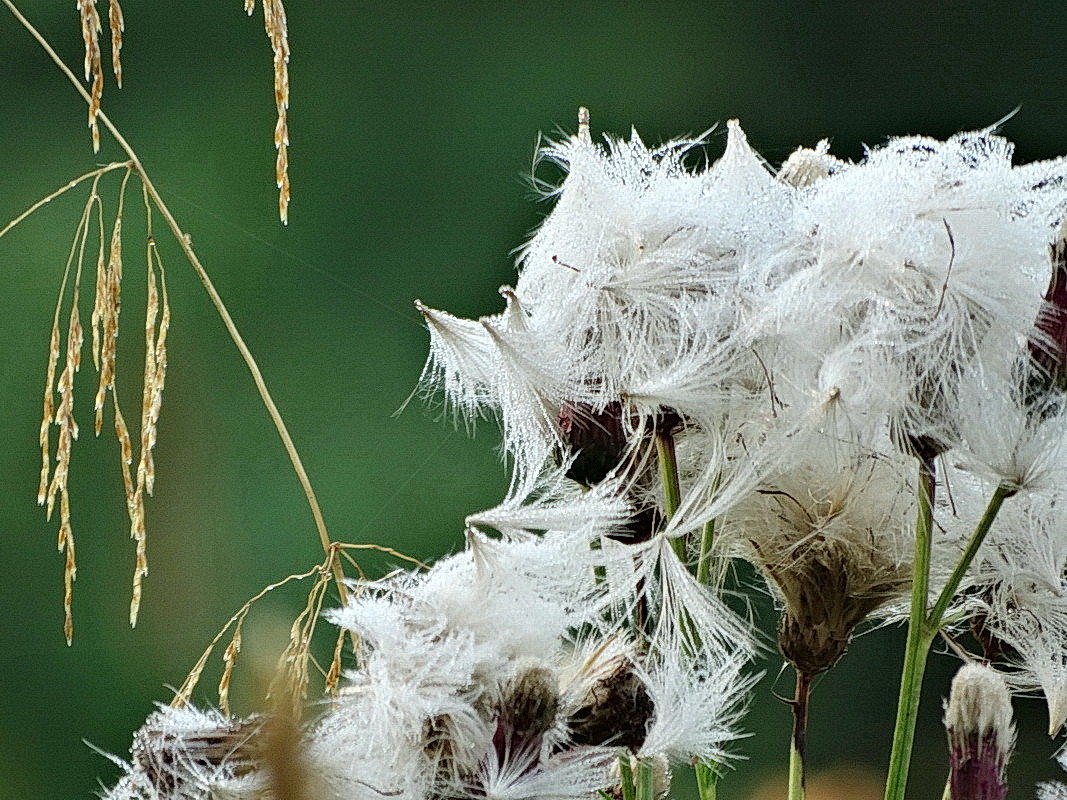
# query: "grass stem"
184, 243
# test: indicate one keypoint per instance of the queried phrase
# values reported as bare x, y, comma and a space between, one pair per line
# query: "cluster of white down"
506, 672
809, 327
803, 331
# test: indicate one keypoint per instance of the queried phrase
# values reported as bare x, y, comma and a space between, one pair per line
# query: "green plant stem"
672, 491
646, 784
937, 613
923, 627
798, 739
626, 777
707, 780
918, 641
707, 538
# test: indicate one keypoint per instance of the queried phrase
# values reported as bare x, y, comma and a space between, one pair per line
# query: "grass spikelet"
117, 25
229, 659
49, 410
155, 370
277, 27
64, 416
94, 72
70, 566
333, 674
185, 691
291, 679
96, 318
106, 317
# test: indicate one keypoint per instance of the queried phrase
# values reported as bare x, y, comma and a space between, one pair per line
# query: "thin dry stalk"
66, 187
285, 759
389, 551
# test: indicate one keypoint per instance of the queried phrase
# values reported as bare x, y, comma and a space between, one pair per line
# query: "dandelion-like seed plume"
826, 371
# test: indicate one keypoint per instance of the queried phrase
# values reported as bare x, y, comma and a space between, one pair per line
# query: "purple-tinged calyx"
981, 735
1048, 345
596, 436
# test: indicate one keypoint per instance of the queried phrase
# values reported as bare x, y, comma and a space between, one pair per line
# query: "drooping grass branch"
184, 242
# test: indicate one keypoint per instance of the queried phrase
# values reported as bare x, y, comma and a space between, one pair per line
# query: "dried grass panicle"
104, 325
288, 688
94, 70
117, 25
292, 675
276, 25
301, 633
62, 415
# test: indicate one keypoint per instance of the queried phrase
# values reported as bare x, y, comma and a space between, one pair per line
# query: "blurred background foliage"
413, 128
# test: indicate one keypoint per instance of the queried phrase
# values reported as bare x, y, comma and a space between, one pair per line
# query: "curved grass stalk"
185, 244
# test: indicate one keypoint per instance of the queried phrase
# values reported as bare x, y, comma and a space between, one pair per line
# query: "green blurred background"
412, 128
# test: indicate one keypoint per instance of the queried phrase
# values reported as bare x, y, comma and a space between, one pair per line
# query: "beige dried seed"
229, 659
117, 25
276, 25
109, 322
48, 415
90, 26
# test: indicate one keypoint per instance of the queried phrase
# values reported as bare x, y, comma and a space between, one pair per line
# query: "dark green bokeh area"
413, 127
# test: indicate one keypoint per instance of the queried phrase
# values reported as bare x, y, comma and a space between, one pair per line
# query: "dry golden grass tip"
94, 70
277, 27
58, 407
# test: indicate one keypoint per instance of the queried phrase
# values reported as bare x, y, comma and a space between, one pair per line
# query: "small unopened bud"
981, 735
